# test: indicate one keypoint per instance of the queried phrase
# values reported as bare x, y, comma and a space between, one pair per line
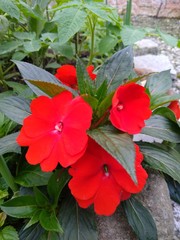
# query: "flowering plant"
88, 136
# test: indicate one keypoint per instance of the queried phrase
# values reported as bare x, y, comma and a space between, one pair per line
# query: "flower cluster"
56, 132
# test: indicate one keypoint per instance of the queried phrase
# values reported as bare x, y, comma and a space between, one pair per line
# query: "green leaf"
25, 35
103, 11
105, 104
49, 221
32, 233
4, 25
10, 8
174, 188
31, 72
159, 83
56, 184
116, 69
9, 233
29, 176
169, 39
8, 47
70, 21
41, 199
77, 223
34, 219
93, 102
159, 100
9, 144
49, 88
117, 144
167, 113
85, 84
140, 219
130, 35
32, 46
15, 108
65, 49
17, 87
20, 207
2, 218
163, 158
162, 128
107, 43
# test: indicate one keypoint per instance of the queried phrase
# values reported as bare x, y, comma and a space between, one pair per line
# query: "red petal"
175, 107
107, 197
34, 127
51, 162
67, 74
90, 70
84, 188
41, 149
85, 203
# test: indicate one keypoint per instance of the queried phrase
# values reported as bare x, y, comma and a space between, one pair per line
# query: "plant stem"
127, 18
6, 174
92, 30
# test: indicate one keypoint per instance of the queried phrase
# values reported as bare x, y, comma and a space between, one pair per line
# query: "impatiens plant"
87, 140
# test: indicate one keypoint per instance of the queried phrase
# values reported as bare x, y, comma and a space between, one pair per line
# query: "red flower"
175, 107
67, 74
98, 178
130, 107
90, 70
56, 130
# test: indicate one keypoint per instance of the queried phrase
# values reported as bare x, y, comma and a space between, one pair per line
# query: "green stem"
6, 174
127, 20
92, 30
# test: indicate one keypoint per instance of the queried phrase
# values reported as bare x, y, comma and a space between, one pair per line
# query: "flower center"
106, 172
120, 107
59, 127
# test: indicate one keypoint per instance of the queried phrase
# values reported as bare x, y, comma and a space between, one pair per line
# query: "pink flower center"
59, 127
106, 171
120, 107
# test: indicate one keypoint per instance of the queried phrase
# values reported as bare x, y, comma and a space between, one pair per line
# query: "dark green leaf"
159, 100
32, 233
34, 219
140, 220
20, 207
15, 108
30, 176
9, 144
174, 188
162, 128
119, 145
85, 84
159, 83
165, 112
77, 223
49, 221
9, 233
105, 104
93, 102
56, 184
163, 158
116, 69
101, 91
130, 35
10, 8
50, 89
31, 72
41, 199
70, 21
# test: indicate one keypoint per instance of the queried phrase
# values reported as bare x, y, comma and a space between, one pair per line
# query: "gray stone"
145, 46
176, 211
155, 197
153, 63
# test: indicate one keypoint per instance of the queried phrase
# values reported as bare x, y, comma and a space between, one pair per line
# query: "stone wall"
153, 8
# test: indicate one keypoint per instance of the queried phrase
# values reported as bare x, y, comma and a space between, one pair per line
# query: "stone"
145, 46
176, 211
152, 63
155, 197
